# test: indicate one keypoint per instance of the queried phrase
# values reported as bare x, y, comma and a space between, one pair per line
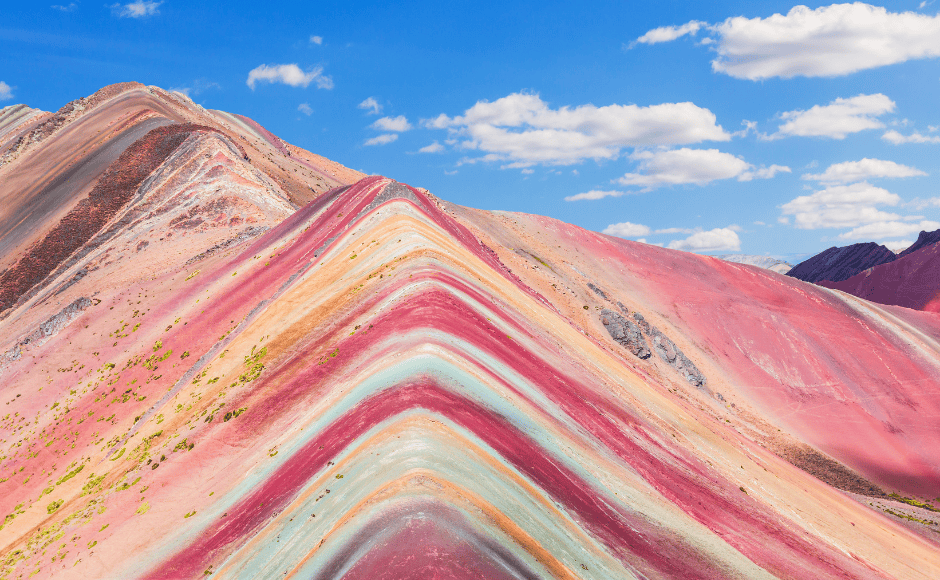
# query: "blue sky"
754, 127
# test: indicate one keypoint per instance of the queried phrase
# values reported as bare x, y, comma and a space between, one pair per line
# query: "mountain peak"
218, 347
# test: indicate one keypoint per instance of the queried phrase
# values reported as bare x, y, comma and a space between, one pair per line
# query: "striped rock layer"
380, 384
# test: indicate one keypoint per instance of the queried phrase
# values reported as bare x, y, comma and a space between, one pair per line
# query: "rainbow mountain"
228, 357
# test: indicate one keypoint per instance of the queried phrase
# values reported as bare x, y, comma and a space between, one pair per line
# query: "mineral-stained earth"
224, 356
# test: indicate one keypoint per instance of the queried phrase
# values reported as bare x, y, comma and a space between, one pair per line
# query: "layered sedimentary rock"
837, 264
381, 384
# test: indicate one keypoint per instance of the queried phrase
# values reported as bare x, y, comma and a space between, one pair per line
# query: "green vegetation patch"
254, 365
913, 502
70, 474
94, 484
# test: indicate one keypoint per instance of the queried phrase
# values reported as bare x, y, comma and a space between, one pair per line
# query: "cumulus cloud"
896, 138
6, 91
837, 119
289, 74
699, 166
889, 229
627, 230
316, 39
829, 41
371, 106
670, 33
852, 171
139, 9
432, 148
594, 194
397, 124
521, 130
716, 240
305, 109
841, 206
384, 139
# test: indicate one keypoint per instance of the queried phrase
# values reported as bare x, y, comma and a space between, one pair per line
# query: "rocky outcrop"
837, 264
625, 332
630, 335
49, 328
670, 353
598, 291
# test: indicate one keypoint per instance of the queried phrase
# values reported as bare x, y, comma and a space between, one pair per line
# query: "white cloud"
852, 171
397, 124
139, 9
841, 206
889, 229
699, 166
6, 91
382, 139
677, 231
627, 230
72, 6
837, 119
764, 172
289, 74
898, 246
829, 41
432, 148
670, 33
316, 39
716, 240
371, 106
896, 138
305, 109
522, 130
594, 194
919, 204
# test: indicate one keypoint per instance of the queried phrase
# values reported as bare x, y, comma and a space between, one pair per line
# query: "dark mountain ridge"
838, 264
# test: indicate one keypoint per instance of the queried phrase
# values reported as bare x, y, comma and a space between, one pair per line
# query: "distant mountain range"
910, 278
766, 262
837, 264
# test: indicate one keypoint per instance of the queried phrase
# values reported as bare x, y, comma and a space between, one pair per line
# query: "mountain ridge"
376, 378
840, 263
